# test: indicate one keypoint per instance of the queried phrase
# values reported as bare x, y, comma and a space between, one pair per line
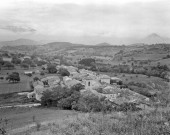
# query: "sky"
83, 21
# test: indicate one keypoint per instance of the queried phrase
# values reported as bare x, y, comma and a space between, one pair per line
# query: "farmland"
23, 85
20, 117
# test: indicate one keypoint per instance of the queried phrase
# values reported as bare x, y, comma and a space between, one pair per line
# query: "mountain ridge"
18, 42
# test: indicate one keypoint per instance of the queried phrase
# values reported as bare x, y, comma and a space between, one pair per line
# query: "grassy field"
6, 87
126, 78
10, 99
20, 117
23, 85
57, 122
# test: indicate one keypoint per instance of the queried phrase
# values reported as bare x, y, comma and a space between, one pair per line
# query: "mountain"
18, 42
155, 39
61, 45
103, 44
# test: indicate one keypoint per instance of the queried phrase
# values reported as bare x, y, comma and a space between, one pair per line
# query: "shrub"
27, 61
64, 72
77, 87
87, 61
60, 97
66, 103
16, 60
42, 73
88, 103
24, 65
127, 107
33, 65
40, 63
36, 78
31, 85
123, 75
9, 65
52, 68
14, 77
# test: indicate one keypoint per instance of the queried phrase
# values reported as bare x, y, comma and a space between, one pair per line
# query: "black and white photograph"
84, 67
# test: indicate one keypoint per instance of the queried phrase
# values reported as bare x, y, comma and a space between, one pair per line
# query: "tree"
9, 65
40, 63
16, 60
52, 68
77, 87
42, 73
36, 79
63, 72
27, 61
14, 77
1, 61
33, 65
87, 61
24, 65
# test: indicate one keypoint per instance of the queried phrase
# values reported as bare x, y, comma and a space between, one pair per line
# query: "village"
98, 84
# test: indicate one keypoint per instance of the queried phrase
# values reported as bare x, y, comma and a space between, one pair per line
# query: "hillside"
61, 45
155, 39
18, 42
103, 44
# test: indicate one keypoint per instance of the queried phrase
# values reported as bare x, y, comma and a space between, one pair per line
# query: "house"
104, 79
115, 80
37, 71
90, 83
44, 66
69, 82
28, 72
27, 57
7, 59
56, 61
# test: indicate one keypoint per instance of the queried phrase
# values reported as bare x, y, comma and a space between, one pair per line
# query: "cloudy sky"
83, 21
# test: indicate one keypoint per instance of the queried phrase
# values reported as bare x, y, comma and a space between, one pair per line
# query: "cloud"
18, 29
83, 18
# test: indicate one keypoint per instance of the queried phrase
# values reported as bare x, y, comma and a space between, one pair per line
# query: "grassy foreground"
63, 122
154, 123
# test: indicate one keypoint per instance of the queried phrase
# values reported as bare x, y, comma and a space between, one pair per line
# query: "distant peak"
154, 35
22, 39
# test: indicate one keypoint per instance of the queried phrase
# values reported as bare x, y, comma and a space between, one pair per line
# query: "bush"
31, 85
87, 62
66, 103
88, 103
14, 77
42, 73
123, 75
60, 97
24, 65
36, 79
77, 87
16, 60
40, 63
63, 72
127, 107
33, 65
9, 65
65, 98
52, 68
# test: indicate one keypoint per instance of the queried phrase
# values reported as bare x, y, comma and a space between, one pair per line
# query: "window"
88, 83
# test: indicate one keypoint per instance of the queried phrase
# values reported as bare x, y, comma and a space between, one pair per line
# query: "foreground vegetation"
155, 122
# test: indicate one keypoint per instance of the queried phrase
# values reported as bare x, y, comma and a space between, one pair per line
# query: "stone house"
105, 79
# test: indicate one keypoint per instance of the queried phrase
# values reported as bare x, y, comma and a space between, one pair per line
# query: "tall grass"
153, 123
